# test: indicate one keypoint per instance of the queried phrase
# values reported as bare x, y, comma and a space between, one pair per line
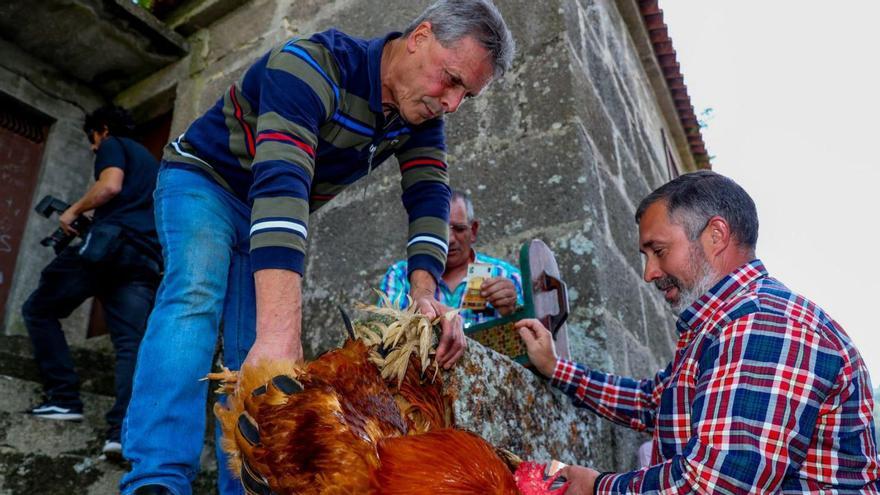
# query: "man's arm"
297, 94
108, 185
425, 184
279, 316
622, 400
753, 413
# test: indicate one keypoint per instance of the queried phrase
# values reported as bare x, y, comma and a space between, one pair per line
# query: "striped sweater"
303, 123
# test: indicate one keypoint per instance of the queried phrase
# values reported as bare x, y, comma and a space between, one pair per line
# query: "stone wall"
65, 172
561, 149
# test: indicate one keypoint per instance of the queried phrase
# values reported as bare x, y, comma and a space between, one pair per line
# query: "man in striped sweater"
304, 122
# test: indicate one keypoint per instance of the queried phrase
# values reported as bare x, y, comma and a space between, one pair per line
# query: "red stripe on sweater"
418, 162
248, 137
279, 136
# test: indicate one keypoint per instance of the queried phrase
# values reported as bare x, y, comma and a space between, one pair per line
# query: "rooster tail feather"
347, 321
227, 419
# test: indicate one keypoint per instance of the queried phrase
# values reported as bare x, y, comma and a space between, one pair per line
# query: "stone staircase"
48, 457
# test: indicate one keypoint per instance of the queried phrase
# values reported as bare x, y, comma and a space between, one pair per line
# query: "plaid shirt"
765, 394
395, 285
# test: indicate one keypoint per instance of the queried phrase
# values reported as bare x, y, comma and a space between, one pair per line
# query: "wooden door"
21, 151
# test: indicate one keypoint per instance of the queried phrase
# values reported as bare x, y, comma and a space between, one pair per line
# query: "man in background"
119, 262
503, 291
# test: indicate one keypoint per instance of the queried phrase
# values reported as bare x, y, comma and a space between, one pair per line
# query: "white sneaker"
48, 410
112, 450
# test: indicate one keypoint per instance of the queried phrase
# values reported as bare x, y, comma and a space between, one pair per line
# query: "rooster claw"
227, 378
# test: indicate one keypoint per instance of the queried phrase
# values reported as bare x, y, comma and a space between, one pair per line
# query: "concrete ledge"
160, 34
511, 407
200, 14
107, 44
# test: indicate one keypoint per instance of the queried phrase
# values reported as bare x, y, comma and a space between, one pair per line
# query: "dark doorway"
22, 137
154, 134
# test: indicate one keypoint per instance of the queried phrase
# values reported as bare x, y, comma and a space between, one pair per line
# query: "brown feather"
441, 462
320, 438
421, 400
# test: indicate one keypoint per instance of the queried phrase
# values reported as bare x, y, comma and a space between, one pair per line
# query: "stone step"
52, 457
94, 365
25, 433
43, 456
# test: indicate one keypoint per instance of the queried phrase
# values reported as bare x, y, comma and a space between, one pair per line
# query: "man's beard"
704, 278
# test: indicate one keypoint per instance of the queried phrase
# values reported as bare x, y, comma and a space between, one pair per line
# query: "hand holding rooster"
583, 480
279, 317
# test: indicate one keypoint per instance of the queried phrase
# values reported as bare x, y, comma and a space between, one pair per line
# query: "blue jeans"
204, 232
125, 282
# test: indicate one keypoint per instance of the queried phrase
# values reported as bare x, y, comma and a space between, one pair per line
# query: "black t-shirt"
132, 208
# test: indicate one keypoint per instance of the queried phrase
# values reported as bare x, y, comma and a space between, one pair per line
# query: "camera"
60, 239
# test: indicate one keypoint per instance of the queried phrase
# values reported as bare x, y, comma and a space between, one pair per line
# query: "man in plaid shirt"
765, 394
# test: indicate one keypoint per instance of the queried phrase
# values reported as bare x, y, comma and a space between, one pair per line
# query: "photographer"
118, 262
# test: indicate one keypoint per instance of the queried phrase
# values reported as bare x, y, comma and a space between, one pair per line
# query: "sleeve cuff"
603, 477
278, 257
425, 262
562, 373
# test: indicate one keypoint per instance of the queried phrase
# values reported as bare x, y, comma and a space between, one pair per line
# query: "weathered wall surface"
561, 149
66, 169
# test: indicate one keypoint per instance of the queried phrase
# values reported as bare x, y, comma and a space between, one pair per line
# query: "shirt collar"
696, 314
374, 70
473, 258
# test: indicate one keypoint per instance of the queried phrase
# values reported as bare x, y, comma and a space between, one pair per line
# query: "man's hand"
539, 345
452, 342
67, 218
501, 293
267, 349
109, 185
582, 479
279, 314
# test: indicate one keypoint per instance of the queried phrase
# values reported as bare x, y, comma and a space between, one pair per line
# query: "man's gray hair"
693, 199
452, 20
458, 194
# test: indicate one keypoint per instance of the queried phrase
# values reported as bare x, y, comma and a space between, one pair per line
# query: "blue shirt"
132, 208
395, 285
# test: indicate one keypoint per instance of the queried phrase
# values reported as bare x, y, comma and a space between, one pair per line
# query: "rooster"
368, 418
